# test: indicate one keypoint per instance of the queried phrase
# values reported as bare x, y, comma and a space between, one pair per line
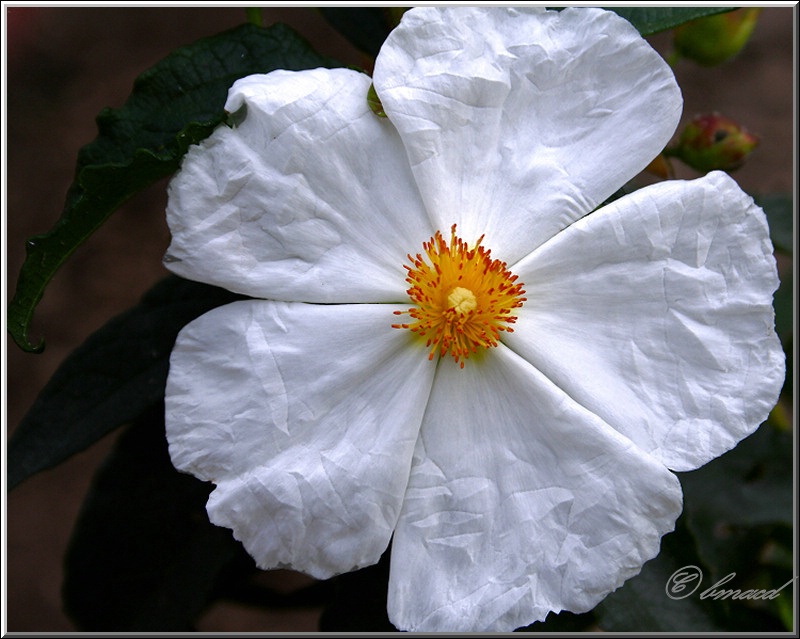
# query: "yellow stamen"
463, 298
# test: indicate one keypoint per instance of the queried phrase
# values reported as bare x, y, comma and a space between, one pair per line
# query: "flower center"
463, 298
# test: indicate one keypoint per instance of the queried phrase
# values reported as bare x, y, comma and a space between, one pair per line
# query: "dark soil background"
63, 66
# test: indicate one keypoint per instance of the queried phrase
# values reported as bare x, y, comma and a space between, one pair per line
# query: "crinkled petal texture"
655, 313
519, 121
520, 502
537, 478
306, 417
308, 199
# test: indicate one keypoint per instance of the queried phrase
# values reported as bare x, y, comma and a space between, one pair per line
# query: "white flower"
537, 477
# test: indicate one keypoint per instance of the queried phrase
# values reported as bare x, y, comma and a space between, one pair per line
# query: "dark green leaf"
143, 555
173, 105
649, 20
642, 604
780, 215
739, 510
109, 380
747, 487
365, 27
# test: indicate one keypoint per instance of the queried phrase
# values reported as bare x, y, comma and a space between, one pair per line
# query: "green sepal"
374, 102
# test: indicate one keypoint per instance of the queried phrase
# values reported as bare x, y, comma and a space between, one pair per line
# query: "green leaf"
739, 510
367, 27
649, 20
747, 487
109, 380
780, 215
143, 556
642, 603
173, 105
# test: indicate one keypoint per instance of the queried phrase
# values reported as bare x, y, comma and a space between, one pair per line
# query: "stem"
254, 16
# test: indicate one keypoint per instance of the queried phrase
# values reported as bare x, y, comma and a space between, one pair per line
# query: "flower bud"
661, 167
714, 39
711, 142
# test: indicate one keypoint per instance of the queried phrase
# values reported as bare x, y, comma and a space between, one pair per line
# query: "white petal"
655, 313
309, 199
520, 502
519, 121
305, 417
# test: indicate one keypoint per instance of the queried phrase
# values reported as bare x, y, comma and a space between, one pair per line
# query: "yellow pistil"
463, 298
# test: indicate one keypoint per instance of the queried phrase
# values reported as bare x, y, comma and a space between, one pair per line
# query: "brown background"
64, 66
